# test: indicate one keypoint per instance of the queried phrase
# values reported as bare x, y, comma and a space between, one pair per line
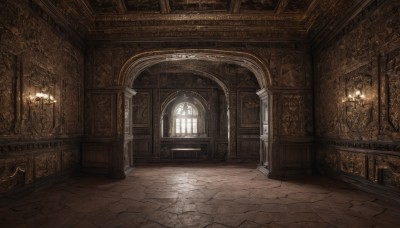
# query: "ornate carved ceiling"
206, 20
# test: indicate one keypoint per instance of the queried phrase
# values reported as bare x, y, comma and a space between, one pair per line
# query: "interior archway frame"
138, 63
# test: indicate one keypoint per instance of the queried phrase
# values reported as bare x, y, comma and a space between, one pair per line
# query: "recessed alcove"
191, 102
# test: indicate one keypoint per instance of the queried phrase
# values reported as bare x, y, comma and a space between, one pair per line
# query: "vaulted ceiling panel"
142, 5
269, 5
103, 6
298, 5
199, 5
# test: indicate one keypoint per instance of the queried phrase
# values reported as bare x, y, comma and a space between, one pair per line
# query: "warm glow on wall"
357, 98
42, 97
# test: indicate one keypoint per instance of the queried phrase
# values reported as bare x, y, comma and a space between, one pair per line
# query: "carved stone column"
264, 128
232, 115
128, 134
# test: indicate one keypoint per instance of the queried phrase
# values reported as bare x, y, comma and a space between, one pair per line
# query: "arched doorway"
138, 63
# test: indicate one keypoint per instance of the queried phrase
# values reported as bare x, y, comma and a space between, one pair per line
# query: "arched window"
185, 117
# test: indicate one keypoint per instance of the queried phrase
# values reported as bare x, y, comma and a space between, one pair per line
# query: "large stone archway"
138, 63
118, 153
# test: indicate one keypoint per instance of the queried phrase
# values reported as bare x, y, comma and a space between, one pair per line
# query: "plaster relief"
41, 116
359, 117
104, 124
8, 80
141, 112
393, 84
293, 114
102, 69
329, 112
352, 163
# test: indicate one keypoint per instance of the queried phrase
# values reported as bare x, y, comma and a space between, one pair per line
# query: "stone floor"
209, 195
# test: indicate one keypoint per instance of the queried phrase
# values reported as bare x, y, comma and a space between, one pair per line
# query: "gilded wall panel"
328, 113
292, 71
104, 124
40, 116
8, 93
72, 93
390, 98
352, 163
360, 118
102, 69
296, 118
72, 106
141, 109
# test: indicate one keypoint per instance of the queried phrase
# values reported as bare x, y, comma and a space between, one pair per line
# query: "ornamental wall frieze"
29, 146
367, 145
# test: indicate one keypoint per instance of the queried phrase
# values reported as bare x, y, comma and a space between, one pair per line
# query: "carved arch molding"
135, 65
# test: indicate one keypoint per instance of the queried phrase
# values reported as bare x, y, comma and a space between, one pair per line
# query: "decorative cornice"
367, 145
29, 146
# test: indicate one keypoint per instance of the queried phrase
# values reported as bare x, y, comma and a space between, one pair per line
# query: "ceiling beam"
235, 6
120, 6
281, 6
165, 8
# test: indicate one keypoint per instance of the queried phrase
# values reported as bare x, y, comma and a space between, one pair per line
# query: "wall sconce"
356, 99
42, 98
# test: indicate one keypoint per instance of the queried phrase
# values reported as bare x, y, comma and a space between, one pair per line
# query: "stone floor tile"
165, 218
250, 224
195, 219
200, 195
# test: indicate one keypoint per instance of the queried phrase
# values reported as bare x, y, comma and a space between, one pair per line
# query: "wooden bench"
194, 150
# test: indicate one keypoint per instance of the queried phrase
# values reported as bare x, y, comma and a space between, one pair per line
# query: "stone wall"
361, 140
39, 138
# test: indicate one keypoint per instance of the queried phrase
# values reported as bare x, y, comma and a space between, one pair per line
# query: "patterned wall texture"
38, 138
361, 138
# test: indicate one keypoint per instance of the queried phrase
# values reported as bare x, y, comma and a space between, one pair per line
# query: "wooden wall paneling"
96, 157
156, 114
